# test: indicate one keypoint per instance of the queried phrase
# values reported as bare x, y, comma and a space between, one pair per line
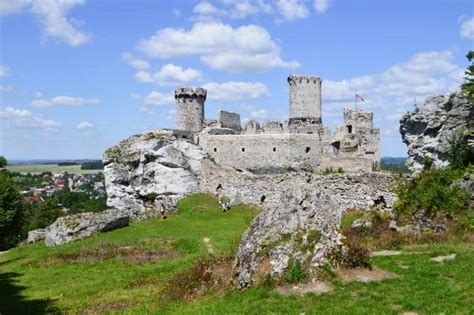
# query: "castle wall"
190, 109
228, 120
266, 152
350, 190
305, 97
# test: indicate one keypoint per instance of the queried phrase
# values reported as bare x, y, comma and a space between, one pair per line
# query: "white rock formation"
429, 130
77, 226
162, 163
303, 228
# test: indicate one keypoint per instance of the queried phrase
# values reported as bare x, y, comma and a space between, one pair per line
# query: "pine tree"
468, 86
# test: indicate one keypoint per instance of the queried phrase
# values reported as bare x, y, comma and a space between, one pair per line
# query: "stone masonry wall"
305, 96
357, 190
190, 109
228, 120
265, 152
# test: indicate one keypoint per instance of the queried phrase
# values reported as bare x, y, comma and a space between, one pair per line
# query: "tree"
45, 214
459, 154
11, 212
468, 86
3, 162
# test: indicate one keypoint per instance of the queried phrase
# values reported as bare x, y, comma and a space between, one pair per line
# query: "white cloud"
243, 9
292, 9
321, 5
64, 100
169, 75
158, 99
146, 110
176, 12
220, 46
207, 8
84, 125
467, 29
134, 62
11, 7
423, 74
16, 117
235, 91
4, 71
170, 114
53, 15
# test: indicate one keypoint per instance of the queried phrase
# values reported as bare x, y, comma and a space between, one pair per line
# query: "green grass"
53, 168
35, 278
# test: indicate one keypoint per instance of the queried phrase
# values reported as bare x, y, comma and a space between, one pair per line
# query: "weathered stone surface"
35, 236
429, 130
303, 228
362, 223
357, 190
162, 163
78, 226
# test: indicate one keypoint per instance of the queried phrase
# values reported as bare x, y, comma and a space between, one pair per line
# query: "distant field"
53, 168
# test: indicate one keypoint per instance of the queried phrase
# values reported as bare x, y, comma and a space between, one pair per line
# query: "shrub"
459, 154
357, 256
431, 192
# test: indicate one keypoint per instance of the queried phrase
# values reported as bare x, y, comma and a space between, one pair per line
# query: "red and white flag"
359, 97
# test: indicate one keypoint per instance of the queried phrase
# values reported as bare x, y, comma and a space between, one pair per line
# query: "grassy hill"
162, 267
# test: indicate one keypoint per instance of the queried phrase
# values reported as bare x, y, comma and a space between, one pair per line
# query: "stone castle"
301, 143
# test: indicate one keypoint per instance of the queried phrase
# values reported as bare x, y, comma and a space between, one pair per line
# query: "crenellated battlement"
299, 79
190, 92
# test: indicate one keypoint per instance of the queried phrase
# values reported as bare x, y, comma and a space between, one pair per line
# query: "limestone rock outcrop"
429, 130
35, 236
78, 226
303, 228
163, 163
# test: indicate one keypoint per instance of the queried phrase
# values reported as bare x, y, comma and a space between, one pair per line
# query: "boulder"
362, 224
35, 236
303, 228
162, 164
78, 226
429, 130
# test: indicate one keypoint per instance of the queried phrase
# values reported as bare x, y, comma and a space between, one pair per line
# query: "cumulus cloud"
146, 110
158, 99
54, 18
65, 100
16, 117
169, 74
235, 91
3, 71
423, 74
220, 46
292, 9
134, 62
321, 6
467, 29
84, 125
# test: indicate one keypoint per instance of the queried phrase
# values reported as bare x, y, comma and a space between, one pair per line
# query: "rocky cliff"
429, 130
163, 164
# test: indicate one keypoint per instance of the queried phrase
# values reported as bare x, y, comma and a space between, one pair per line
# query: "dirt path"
317, 287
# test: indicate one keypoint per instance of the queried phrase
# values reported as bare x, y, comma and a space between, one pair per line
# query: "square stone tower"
190, 108
305, 104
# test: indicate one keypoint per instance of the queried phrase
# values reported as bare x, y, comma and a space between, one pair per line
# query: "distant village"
49, 185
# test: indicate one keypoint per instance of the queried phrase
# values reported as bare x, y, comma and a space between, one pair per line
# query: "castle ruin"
301, 143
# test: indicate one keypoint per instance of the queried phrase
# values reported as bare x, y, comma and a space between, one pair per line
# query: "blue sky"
78, 76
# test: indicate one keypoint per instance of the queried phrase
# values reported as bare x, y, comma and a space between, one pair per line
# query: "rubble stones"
35, 236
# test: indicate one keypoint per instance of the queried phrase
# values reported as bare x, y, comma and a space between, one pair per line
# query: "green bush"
430, 192
459, 154
43, 215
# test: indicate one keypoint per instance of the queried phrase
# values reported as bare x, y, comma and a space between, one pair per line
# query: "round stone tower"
190, 108
305, 103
